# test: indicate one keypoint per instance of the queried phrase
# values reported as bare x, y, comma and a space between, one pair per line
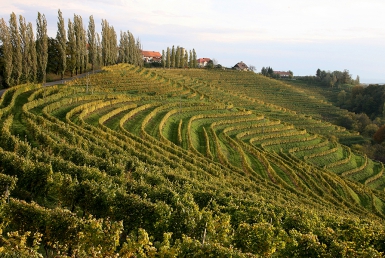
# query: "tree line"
25, 57
330, 79
269, 72
178, 57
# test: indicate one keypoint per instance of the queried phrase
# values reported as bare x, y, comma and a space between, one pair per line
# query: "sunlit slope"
128, 129
309, 139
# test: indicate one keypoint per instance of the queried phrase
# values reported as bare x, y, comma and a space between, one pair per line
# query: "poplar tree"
84, 50
132, 46
32, 56
62, 40
177, 57
5, 38
163, 59
194, 59
41, 47
78, 30
190, 62
139, 53
126, 43
168, 62
185, 60
173, 57
91, 42
182, 57
113, 46
98, 50
121, 58
105, 43
71, 47
16, 50
26, 63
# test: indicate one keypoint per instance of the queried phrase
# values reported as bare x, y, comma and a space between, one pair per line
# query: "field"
172, 162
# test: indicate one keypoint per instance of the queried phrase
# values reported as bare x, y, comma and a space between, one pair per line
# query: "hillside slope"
183, 162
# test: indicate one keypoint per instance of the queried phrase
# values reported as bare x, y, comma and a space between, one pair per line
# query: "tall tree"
163, 59
84, 50
79, 41
168, 61
183, 51
121, 58
178, 57
16, 49
173, 57
190, 61
91, 42
138, 50
5, 38
109, 44
41, 47
104, 41
114, 46
98, 50
32, 55
71, 48
61, 38
24, 39
185, 59
54, 56
126, 46
132, 46
194, 59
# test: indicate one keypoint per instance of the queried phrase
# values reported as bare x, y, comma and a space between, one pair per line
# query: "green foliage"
41, 47
182, 162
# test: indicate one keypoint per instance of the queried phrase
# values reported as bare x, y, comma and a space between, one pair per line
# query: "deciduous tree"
62, 43
41, 47
91, 42
173, 57
379, 136
26, 64
71, 48
168, 61
32, 55
163, 59
16, 50
5, 38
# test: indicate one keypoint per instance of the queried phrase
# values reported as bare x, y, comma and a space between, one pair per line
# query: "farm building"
241, 66
283, 74
202, 62
151, 56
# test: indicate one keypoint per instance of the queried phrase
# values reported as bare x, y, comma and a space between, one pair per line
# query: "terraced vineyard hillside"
183, 162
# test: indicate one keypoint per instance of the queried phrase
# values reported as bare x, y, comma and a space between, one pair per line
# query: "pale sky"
296, 35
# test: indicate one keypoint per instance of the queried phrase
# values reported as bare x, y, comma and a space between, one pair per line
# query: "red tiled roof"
152, 54
202, 60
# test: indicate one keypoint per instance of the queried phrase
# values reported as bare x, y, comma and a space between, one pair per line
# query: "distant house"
283, 74
202, 62
241, 66
151, 56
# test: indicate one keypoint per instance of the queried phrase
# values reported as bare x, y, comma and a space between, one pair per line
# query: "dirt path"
60, 81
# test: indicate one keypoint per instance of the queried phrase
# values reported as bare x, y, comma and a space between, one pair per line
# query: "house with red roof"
202, 62
151, 56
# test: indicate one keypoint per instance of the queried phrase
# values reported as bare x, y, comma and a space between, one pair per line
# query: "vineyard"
142, 162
